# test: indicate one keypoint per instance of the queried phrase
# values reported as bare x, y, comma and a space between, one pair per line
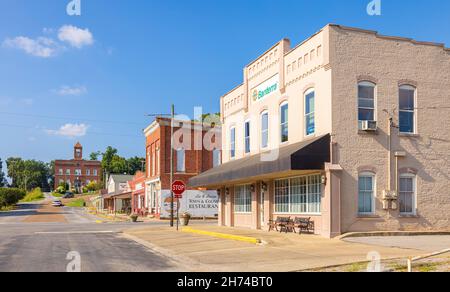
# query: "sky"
94, 78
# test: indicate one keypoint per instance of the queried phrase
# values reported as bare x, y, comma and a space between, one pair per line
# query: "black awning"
306, 155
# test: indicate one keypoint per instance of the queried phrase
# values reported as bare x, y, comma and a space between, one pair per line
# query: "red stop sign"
178, 187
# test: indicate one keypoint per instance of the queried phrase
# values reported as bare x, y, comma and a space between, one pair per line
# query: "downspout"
389, 182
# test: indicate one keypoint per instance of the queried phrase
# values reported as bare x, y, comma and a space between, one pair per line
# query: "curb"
247, 239
391, 233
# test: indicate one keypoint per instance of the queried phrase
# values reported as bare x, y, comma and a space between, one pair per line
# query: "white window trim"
261, 129
249, 136
312, 89
374, 192
375, 101
281, 124
414, 198
234, 200
232, 143
409, 87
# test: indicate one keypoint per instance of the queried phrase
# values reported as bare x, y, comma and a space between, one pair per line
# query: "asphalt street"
79, 243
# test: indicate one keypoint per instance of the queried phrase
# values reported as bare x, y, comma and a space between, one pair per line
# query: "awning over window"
122, 196
306, 155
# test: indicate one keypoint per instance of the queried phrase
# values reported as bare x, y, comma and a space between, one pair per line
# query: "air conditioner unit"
369, 126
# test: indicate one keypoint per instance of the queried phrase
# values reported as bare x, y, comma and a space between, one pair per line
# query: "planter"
185, 219
134, 218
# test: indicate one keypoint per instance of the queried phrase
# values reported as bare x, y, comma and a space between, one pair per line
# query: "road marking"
79, 232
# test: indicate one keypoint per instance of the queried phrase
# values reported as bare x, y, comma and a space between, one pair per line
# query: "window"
264, 130
60, 171
407, 100
310, 123
243, 199
181, 161
247, 137
233, 142
217, 157
77, 171
284, 119
88, 172
67, 171
366, 190
407, 194
366, 102
95, 172
300, 195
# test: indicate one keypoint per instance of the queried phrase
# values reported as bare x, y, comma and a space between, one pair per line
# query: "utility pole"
172, 114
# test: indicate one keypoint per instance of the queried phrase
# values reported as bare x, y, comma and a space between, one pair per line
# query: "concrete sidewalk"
282, 252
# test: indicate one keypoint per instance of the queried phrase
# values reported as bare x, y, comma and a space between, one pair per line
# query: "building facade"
190, 158
77, 173
118, 196
349, 128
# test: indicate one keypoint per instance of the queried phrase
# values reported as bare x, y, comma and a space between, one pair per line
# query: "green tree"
95, 155
135, 165
107, 158
119, 165
28, 174
3, 181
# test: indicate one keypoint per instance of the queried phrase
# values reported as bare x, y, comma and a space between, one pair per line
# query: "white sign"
197, 203
123, 187
266, 88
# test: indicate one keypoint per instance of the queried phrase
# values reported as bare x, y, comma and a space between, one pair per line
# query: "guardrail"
415, 259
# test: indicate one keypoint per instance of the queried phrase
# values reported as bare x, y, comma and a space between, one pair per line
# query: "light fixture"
227, 191
324, 179
264, 186
252, 188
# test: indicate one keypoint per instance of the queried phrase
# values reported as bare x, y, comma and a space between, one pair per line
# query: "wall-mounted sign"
266, 88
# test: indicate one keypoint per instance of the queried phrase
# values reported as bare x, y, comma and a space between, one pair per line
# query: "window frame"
247, 199
313, 113
367, 83
181, 169
413, 111
414, 194
233, 142
372, 175
285, 123
266, 132
247, 138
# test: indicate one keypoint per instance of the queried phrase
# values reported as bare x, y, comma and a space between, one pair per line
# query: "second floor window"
67, 171
264, 130
247, 136
284, 117
233, 142
310, 120
407, 112
181, 161
366, 101
95, 172
88, 172
60, 171
217, 159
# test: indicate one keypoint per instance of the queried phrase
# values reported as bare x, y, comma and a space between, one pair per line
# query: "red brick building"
190, 158
77, 172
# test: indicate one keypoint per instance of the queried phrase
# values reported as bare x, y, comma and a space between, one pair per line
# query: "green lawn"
35, 195
57, 195
78, 203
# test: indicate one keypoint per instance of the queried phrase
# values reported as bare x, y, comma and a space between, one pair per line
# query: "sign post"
178, 189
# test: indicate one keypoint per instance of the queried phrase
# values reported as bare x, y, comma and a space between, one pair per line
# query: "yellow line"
223, 235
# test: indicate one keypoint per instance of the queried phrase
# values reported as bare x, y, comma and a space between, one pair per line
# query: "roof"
308, 155
121, 178
78, 145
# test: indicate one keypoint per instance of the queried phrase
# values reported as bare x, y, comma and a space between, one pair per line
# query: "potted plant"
186, 217
134, 217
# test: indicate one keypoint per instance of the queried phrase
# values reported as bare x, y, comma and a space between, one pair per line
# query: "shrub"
34, 195
93, 186
9, 197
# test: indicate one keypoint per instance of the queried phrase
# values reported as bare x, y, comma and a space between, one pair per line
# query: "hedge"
9, 197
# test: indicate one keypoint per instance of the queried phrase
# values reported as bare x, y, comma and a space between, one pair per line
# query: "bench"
303, 225
281, 222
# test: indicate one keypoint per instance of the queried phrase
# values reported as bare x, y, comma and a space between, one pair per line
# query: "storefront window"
300, 195
243, 199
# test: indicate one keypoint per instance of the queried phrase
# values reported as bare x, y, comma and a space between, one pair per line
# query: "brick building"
190, 159
77, 172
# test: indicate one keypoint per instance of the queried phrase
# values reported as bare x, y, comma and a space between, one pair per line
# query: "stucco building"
77, 172
350, 128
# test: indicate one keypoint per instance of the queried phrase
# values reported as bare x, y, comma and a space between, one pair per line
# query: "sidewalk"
281, 252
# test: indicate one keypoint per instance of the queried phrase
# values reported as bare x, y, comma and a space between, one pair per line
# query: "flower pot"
134, 218
185, 220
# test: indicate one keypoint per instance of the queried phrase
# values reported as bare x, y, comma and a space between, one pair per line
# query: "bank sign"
266, 88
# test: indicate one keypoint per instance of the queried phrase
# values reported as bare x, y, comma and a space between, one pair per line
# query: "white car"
57, 203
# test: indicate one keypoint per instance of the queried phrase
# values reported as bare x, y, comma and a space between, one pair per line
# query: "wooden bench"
303, 225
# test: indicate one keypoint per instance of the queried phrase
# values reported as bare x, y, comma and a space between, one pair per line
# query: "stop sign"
178, 187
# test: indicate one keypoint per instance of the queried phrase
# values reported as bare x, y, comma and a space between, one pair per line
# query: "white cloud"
71, 90
41, 47
70, 130
75, 36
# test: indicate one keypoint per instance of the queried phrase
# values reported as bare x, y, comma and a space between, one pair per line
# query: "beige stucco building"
350, 128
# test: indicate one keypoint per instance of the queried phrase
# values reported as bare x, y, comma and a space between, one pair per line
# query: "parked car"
57, 203
68, 195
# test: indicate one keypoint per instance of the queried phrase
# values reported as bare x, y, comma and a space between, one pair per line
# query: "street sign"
178, 188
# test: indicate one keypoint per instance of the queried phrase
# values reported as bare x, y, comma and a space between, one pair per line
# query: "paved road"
424, 243
27, 246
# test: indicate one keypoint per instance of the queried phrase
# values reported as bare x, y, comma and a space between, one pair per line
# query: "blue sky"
95, 76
